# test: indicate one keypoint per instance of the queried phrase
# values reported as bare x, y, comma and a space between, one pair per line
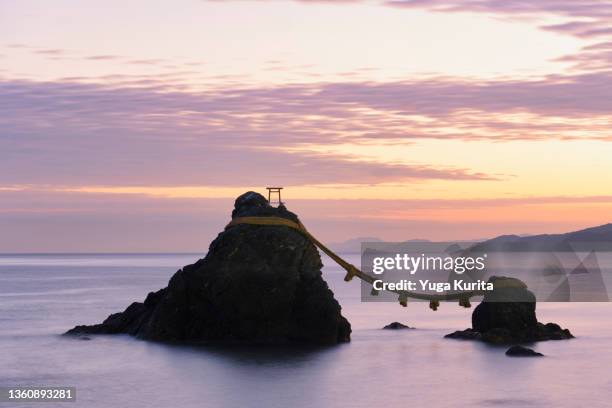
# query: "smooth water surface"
42, 296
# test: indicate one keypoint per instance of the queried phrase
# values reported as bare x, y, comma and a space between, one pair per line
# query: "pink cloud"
103, 57
49, 51
80, 133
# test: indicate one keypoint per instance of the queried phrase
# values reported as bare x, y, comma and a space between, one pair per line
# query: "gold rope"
351, 270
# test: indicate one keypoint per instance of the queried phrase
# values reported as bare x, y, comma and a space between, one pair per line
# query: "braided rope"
352, 270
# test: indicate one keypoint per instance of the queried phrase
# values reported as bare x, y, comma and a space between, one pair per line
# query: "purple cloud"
77, 134
588, 19
577, 8
114, 132
94, 134
598, 13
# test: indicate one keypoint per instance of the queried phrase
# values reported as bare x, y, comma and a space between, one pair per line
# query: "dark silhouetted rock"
519, 351
467, 334
256, 285
396, 326
507, 315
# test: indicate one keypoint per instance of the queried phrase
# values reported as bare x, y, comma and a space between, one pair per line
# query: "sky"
132, 126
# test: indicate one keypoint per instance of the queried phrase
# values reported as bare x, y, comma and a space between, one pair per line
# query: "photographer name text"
429, 286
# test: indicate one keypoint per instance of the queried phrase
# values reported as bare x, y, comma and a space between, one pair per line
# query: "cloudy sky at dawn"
132, 126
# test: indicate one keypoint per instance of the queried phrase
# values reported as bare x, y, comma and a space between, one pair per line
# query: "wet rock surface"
520, 351
256, 285
508, 315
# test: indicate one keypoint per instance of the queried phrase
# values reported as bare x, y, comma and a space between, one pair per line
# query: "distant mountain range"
594, 238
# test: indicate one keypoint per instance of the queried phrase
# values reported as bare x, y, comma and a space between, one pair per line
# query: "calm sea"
42, 296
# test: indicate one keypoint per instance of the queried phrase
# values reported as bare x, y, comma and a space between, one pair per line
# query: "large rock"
507, 315
256, 285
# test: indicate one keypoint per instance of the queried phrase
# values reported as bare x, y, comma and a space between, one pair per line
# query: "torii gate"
274, 190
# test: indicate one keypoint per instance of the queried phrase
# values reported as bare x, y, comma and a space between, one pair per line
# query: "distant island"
594, 238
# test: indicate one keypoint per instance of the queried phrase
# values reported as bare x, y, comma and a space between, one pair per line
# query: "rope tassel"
465, 302
350, 273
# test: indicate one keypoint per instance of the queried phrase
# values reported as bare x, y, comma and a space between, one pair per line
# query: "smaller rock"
467, 334
396, 326
520, 351
507, 316
552, 331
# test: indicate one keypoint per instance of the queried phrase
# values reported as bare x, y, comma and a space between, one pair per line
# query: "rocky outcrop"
396, 326
256, 285
507, 315
519, 351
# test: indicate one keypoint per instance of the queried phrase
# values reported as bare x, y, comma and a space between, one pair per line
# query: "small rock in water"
467, 334
396, 326
520, 351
